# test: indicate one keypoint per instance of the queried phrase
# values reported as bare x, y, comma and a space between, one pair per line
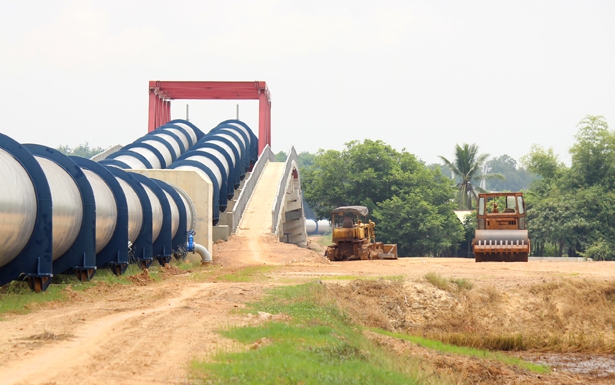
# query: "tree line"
570, 208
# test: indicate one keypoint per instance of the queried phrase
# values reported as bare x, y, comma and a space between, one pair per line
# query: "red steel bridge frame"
162, 92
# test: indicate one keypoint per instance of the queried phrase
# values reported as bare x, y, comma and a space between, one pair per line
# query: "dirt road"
148, 334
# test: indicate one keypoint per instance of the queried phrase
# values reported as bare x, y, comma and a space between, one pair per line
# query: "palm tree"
468, 168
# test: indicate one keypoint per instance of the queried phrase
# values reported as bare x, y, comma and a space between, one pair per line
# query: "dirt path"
140, 335
149, 334
132, 335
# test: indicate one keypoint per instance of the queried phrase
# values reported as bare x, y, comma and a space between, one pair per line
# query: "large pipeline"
224, 155
157, 149
60, 213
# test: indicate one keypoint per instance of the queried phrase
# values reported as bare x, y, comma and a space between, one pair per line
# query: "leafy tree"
516, 178
467, 168
573, 207
411, 203
304, 158
82, 150
280, 156
593, 155
543, 162
418, 226
555, 220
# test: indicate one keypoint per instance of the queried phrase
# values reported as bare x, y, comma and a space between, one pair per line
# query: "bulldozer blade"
390, 251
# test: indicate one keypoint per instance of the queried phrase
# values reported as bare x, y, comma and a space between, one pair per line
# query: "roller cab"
501, 228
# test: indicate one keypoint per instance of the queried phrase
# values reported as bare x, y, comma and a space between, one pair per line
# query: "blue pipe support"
34, 262
179, 239
142, 247
81, 255
162, 247
216, 193
115, 253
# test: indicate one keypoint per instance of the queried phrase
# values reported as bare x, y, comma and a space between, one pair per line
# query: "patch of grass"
107, 276
325, 240
447, 348
18, 298
462, 283
247, 274
317, 346
445, 284
437, 280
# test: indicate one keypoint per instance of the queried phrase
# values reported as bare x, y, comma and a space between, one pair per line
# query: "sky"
422, 76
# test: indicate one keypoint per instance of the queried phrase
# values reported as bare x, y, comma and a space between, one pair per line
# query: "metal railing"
280, 196
248, 187
103, 155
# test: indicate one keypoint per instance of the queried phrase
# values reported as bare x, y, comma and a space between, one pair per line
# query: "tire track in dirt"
147, 345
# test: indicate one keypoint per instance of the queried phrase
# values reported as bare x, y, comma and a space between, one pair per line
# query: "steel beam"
162, 92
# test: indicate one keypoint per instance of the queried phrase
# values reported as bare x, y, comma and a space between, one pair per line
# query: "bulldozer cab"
354, 238
349, 223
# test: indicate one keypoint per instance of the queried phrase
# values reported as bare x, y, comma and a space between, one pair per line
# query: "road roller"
354, 238
501, 228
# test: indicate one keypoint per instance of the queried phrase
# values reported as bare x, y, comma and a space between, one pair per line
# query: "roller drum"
135, 210
67, 206
501, 246
106, 209
156, 212
502, 235
17, 207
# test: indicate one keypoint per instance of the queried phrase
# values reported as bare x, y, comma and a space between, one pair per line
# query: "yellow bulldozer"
354, 239
501, 228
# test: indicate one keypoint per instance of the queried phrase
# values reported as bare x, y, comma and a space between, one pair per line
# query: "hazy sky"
419, 75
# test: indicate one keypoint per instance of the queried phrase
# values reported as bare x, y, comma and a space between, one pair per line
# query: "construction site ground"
150, 331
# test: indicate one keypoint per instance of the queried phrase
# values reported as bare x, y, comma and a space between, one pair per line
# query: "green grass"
317, 346
445, 284
437, 280
325, 240
446, 348
16, 297
248, 274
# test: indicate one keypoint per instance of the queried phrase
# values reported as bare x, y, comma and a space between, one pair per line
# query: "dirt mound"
171, 270
558, 316
141, 279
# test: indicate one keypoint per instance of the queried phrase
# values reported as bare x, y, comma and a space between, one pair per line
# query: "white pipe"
203, 252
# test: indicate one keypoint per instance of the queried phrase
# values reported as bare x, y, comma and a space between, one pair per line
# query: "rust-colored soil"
148, 332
